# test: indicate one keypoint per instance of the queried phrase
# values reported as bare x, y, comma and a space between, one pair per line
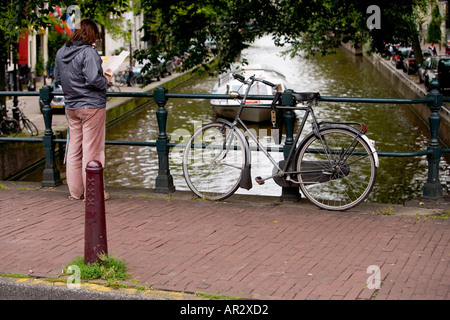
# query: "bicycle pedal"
259, 180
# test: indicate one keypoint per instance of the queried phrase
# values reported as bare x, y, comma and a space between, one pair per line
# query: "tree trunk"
417, 49
103, 40
3, 62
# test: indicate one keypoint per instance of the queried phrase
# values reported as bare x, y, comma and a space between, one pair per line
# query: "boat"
227, 108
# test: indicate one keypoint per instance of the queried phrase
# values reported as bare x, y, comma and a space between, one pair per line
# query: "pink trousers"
86, 143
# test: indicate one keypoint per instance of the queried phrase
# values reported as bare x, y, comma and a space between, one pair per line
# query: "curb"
45, 289
416, 207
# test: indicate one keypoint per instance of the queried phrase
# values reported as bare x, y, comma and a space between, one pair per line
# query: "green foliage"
55, 41
384, 212
118, 51
15, 17
320, 27
40, 66
434, 29
182, 28
307, 27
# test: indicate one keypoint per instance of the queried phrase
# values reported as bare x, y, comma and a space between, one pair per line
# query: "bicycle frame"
281, 170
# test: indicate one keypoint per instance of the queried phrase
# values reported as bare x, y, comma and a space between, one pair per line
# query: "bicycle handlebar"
241, 78
266, 82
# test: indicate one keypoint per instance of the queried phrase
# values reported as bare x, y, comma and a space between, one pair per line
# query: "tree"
15, 18
399, 25
307, 27
55, 41
434, 29
108, 14
182, 28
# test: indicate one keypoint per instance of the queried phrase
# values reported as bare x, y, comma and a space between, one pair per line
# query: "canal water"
395, 128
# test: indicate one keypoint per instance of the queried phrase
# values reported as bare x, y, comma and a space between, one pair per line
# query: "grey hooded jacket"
78, 68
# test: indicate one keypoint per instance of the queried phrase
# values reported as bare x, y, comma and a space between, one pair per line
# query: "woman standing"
78, 68
432, 49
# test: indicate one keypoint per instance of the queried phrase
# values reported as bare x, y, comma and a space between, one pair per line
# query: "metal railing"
164, 181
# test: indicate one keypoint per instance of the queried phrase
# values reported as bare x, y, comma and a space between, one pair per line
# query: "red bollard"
95, 221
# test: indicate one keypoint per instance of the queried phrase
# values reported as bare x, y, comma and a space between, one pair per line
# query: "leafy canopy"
183, 28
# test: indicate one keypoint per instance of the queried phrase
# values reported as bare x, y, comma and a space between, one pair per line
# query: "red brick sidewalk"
258, 250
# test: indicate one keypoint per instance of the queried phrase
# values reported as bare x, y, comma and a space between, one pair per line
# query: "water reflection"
394, 127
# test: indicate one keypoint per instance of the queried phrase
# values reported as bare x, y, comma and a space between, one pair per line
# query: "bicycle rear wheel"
10, 125
336, 172
213, 161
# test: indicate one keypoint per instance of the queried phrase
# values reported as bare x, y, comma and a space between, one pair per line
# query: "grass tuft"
109, 268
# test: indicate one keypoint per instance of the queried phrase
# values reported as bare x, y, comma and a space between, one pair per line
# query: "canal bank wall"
409, 87
18, 159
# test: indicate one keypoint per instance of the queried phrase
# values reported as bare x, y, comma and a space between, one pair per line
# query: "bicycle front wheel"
119, 79
213, 161
30, 127
337, 171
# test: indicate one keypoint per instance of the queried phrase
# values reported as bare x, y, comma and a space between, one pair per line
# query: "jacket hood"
71, 49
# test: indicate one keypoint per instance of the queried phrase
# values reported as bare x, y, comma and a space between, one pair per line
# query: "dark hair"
88, 32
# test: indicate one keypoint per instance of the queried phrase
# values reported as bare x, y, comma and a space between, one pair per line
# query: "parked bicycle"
8, 125
24, 122
127, 77
334, 166
119, 78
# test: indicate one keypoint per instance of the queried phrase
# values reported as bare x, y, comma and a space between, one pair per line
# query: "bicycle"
119, 78
7, 124
127, 77
334, 165
25, 123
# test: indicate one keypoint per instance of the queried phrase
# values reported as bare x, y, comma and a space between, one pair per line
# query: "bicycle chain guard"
281, 180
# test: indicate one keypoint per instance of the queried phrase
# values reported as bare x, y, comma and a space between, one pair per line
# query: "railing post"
289, 193
433, 187
164, 180
50, 177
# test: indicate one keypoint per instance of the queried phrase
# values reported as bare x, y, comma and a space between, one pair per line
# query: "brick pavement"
260, 249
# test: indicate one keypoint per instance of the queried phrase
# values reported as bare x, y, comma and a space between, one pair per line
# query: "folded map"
112, 63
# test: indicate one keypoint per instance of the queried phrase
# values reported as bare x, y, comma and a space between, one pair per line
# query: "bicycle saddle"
305, 96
